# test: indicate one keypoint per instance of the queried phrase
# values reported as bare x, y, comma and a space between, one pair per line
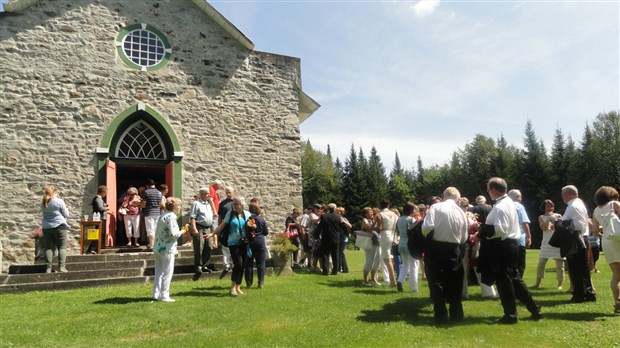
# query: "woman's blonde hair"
48, 194
171, 202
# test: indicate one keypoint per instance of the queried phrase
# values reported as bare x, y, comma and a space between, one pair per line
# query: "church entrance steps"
113, 267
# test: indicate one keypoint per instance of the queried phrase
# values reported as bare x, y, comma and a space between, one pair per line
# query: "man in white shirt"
444, 253
578, 269
499, 253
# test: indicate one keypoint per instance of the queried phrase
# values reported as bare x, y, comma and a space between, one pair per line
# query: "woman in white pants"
388, 225
409, 265
373, 256
166, 236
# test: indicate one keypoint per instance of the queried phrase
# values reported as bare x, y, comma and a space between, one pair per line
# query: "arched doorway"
138, 145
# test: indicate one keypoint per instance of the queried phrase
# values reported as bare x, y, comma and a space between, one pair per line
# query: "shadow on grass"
123, 300
415, 312
583, 316
211, 291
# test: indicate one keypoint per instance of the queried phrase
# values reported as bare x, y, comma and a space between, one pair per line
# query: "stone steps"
113, 267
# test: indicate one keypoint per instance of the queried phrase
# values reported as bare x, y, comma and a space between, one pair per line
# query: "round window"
143, 47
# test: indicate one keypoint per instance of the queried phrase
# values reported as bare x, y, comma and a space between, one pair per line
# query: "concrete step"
71, 284
72, 275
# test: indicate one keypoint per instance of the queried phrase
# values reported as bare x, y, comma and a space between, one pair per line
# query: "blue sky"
423, 77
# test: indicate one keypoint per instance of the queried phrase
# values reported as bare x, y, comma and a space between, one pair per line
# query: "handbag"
122, 211
223, 237
363, 240
291, 232
613, 224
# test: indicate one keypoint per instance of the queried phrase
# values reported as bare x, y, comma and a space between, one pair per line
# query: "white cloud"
425, 7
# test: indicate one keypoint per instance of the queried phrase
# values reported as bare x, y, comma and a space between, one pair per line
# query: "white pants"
150, 224
410, 266
373, 258
132, 223
164, 268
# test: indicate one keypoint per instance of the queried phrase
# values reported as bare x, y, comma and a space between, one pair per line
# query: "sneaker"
167, 299
48, 270
128, 245
399, 286
62, 269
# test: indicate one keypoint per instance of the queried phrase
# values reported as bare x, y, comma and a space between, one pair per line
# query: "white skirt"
546, 250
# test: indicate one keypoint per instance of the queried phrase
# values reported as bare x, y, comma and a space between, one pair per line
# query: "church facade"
98, 92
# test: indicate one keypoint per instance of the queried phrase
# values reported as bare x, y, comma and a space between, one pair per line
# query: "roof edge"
224, 23
307, 106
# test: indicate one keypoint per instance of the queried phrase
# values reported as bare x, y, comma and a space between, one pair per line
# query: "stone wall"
234, 111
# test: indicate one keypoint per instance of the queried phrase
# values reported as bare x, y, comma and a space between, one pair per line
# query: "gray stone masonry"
234, 111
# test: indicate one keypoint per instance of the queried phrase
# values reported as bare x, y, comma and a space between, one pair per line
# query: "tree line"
361, 181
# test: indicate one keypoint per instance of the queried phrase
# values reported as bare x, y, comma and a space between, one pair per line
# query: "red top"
215, 198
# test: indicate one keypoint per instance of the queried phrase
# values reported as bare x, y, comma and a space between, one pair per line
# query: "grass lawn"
303, 310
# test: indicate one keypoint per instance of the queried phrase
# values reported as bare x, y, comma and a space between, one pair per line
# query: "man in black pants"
500, 251
330, 229
576, 216
444, 255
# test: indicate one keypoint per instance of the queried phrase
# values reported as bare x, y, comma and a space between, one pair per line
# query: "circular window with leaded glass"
143, 47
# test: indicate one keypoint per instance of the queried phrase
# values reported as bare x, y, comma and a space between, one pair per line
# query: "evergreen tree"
559, 166
532, 176
400, 189
354, 186
377, 181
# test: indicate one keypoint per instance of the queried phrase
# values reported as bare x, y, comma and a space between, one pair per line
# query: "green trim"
121, 52
115, 124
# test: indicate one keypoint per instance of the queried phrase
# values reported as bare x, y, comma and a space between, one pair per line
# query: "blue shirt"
54, 214
237, 225
522, 219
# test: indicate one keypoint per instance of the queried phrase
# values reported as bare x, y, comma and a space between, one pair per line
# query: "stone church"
116, 92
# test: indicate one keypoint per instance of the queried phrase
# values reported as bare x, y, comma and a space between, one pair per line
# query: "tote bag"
363, 240
613, 222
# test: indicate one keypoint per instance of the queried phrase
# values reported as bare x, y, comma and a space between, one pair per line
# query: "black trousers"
521, 261
258, 254
579, 274
238, 254
444, 272
332, 250
510, 286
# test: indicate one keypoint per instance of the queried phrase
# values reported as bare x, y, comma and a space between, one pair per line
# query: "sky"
422, 78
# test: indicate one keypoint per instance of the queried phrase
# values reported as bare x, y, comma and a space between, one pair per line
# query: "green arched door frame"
103, 152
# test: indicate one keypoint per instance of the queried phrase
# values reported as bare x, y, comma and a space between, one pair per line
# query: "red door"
170, 178
110, 181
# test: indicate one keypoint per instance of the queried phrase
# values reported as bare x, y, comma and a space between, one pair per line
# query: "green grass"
304, 310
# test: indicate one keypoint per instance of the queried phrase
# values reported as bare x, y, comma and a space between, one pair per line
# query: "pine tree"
377, 181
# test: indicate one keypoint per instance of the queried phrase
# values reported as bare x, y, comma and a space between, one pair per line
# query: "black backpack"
416, 242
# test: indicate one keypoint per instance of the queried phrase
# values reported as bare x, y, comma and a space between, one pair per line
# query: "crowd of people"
458, 238
487, 241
